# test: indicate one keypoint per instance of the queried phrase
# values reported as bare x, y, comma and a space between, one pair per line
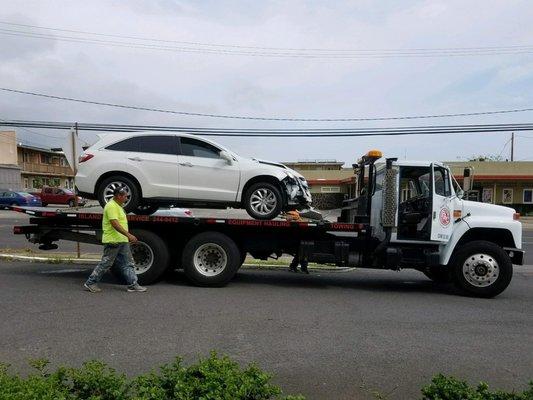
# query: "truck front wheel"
211, 259
482, 268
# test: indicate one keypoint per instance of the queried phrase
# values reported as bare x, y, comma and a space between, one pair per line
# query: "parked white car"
164, 169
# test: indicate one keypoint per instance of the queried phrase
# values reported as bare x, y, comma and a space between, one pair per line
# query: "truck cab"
419, 217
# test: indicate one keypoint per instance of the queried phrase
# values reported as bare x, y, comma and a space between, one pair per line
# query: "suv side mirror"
468, 179
226, 156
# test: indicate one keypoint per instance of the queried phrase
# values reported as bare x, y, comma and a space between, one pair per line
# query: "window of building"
406, 194
507, 196
197, 148
330, 189
46, 159
26, 157
487, 196
472, 195
528, 196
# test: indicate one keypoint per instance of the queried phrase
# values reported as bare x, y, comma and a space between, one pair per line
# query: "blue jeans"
120, 255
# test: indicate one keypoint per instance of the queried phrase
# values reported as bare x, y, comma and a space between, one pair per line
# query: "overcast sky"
278, 86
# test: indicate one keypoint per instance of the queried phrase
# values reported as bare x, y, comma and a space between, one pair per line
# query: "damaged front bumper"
298, 194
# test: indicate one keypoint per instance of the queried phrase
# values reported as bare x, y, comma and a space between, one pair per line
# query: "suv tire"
104, 191
263, 200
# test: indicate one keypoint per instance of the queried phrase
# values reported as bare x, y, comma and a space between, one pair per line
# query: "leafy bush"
449, 388
212, 378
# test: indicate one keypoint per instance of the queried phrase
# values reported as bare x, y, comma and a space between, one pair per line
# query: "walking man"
116, 240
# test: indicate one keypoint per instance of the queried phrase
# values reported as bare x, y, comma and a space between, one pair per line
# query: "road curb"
50, 260
92, 261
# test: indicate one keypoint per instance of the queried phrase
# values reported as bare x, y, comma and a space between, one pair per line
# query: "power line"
33, 132
301, 133
285, 49
225, 116
354, 54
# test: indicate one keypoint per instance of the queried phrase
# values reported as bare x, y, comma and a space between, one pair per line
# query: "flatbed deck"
75, 217
210, 250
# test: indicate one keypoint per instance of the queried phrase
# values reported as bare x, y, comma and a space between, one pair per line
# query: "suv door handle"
134, 158
186, 164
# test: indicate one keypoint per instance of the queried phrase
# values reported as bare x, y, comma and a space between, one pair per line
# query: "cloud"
281, 87
12, 48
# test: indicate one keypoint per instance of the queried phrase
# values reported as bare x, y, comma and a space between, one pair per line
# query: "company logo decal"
444, 216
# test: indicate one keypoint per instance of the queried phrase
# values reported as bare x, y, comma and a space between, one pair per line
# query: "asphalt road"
326, 335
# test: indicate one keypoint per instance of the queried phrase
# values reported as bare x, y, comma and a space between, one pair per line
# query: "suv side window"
148, 144
197, 148
131, 144
159, 144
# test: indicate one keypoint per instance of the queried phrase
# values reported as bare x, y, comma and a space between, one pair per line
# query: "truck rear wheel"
151, 256
482, 268
211, 259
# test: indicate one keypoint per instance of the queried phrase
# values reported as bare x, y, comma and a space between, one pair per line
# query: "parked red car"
52, 195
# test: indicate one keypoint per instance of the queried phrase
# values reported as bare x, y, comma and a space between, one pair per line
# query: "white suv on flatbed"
164, 169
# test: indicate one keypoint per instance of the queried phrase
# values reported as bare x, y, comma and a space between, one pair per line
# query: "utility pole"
74, 138
74, 133
512, 146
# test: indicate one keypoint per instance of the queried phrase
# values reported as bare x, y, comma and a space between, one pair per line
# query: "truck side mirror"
468, 179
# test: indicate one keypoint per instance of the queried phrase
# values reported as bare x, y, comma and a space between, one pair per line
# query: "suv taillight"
516, 216
85, 157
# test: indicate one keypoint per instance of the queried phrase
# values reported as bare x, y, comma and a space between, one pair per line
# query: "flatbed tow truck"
406, 215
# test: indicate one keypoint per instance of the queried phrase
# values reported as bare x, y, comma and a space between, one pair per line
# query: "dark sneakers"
95, 289
136, 288
92, 288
